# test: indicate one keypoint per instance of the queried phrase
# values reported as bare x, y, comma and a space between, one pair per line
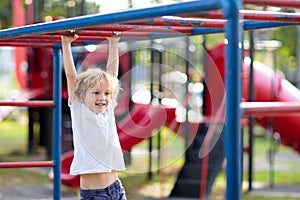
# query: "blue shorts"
113, 192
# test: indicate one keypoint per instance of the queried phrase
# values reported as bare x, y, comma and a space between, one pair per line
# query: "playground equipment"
138, 126
94, 28
269, 86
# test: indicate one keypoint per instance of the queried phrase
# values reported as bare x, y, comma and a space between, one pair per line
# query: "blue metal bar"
248, 25
251, 25
57, 83
233, 97
116, 17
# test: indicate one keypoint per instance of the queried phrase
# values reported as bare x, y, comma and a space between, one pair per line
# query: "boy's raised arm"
113, 56
69, 66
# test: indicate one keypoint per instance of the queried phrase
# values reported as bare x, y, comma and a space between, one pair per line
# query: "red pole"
275, 3
172, 23
18, 13
26, 164
270, 16
270, 108
25, 44
255, 15
144, 28
27, 103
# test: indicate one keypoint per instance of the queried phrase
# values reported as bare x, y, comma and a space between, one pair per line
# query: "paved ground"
32, 193
278, 191
44, 193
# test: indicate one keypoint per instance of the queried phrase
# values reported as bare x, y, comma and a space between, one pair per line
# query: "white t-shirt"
96, 142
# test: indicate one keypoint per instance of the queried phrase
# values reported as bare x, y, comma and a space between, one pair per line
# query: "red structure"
269, 86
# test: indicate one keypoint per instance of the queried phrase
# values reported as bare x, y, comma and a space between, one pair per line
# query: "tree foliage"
66, 8
54, 8
287, 54
5, 14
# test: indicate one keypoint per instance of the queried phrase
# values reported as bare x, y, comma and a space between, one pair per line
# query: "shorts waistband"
114, 185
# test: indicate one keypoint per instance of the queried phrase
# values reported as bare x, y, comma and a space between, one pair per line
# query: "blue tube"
250, 25
117, 17
233, 98
57, 83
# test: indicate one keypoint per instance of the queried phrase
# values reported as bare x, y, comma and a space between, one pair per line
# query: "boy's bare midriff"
98, 180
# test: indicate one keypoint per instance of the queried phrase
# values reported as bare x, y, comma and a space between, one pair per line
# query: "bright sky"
108, 6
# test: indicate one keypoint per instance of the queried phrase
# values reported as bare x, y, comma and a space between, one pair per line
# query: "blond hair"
89, 79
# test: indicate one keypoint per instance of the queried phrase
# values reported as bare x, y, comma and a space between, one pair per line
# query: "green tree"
54, 8
66, 8
286, 55
5, 14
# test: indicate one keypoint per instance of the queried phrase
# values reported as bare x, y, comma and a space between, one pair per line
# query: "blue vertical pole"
233, 97
57, 82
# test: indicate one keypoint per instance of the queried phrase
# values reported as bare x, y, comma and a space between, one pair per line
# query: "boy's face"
98, 98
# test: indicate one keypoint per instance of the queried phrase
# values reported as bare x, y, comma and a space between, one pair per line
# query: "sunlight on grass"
19, 177
12, 137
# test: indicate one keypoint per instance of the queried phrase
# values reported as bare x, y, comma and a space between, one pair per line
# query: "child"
97, 150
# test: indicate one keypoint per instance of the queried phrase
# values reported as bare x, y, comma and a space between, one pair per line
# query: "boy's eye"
107, 93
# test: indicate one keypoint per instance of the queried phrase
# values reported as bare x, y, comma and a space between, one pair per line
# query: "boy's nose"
101, 96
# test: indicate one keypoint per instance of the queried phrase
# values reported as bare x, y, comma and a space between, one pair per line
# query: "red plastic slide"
271, 86
268, 86
140, 123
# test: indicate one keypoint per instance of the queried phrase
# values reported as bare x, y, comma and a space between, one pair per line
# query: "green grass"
258, 197
12, 137
21, 177
280, 177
